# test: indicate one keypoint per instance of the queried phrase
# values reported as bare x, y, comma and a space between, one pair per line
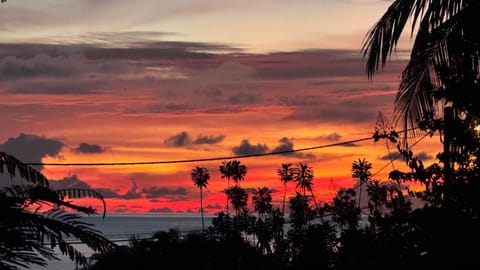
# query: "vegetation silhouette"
361, 170
232, 169
303, 177
34, 219
435, 226
200, 177
439, 92
286, 175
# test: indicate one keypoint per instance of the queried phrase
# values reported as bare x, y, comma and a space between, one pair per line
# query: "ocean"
119, 227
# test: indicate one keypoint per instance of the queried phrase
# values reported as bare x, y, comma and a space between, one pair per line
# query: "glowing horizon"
90, 82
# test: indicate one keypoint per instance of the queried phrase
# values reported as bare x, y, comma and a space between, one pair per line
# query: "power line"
399, 155
208, 159
200, 159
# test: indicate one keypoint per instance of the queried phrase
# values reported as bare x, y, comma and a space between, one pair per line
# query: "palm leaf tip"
14, 166
76, 193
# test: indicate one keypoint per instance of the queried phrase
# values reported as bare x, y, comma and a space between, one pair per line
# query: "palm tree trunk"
284, 195
201, 209
360, 194
314, 200
228, 187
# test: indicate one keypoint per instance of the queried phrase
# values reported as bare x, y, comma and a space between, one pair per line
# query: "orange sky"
203, 80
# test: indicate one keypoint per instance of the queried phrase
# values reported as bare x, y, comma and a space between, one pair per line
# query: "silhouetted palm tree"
303, 176
278, 221
300, 216
343, 209
200, 177
286, 175
361, 170
33, 215
239, 197
444, 62
239, 171
262, 201
226, 171
232, 169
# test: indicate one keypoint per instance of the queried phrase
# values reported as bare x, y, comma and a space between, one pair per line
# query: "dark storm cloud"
181, 139
286, 144
208, 139
86, 148
246, 148
155, 192
31, 148
184, 139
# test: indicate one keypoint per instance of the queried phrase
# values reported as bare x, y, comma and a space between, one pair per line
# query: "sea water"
120, 227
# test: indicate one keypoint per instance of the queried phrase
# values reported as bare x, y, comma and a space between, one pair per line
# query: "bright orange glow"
190, 81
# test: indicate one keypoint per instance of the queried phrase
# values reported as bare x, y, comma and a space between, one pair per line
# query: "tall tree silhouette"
444, 63
344, 211
286, 175
226, 171
234, 170
303, 176
239, 197
361, 170
200, 177
33, 215
262, 201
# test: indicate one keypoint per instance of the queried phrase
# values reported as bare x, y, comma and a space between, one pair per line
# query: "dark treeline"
442, 231
438, 93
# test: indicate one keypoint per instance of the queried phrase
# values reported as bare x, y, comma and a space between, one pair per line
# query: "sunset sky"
126, 81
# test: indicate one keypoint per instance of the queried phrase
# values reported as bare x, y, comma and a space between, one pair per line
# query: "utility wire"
399, 155
201, 159
207, 159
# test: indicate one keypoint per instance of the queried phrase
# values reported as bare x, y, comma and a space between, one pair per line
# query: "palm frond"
76, 193
382, 39
55, 225
433, 51
26, 172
